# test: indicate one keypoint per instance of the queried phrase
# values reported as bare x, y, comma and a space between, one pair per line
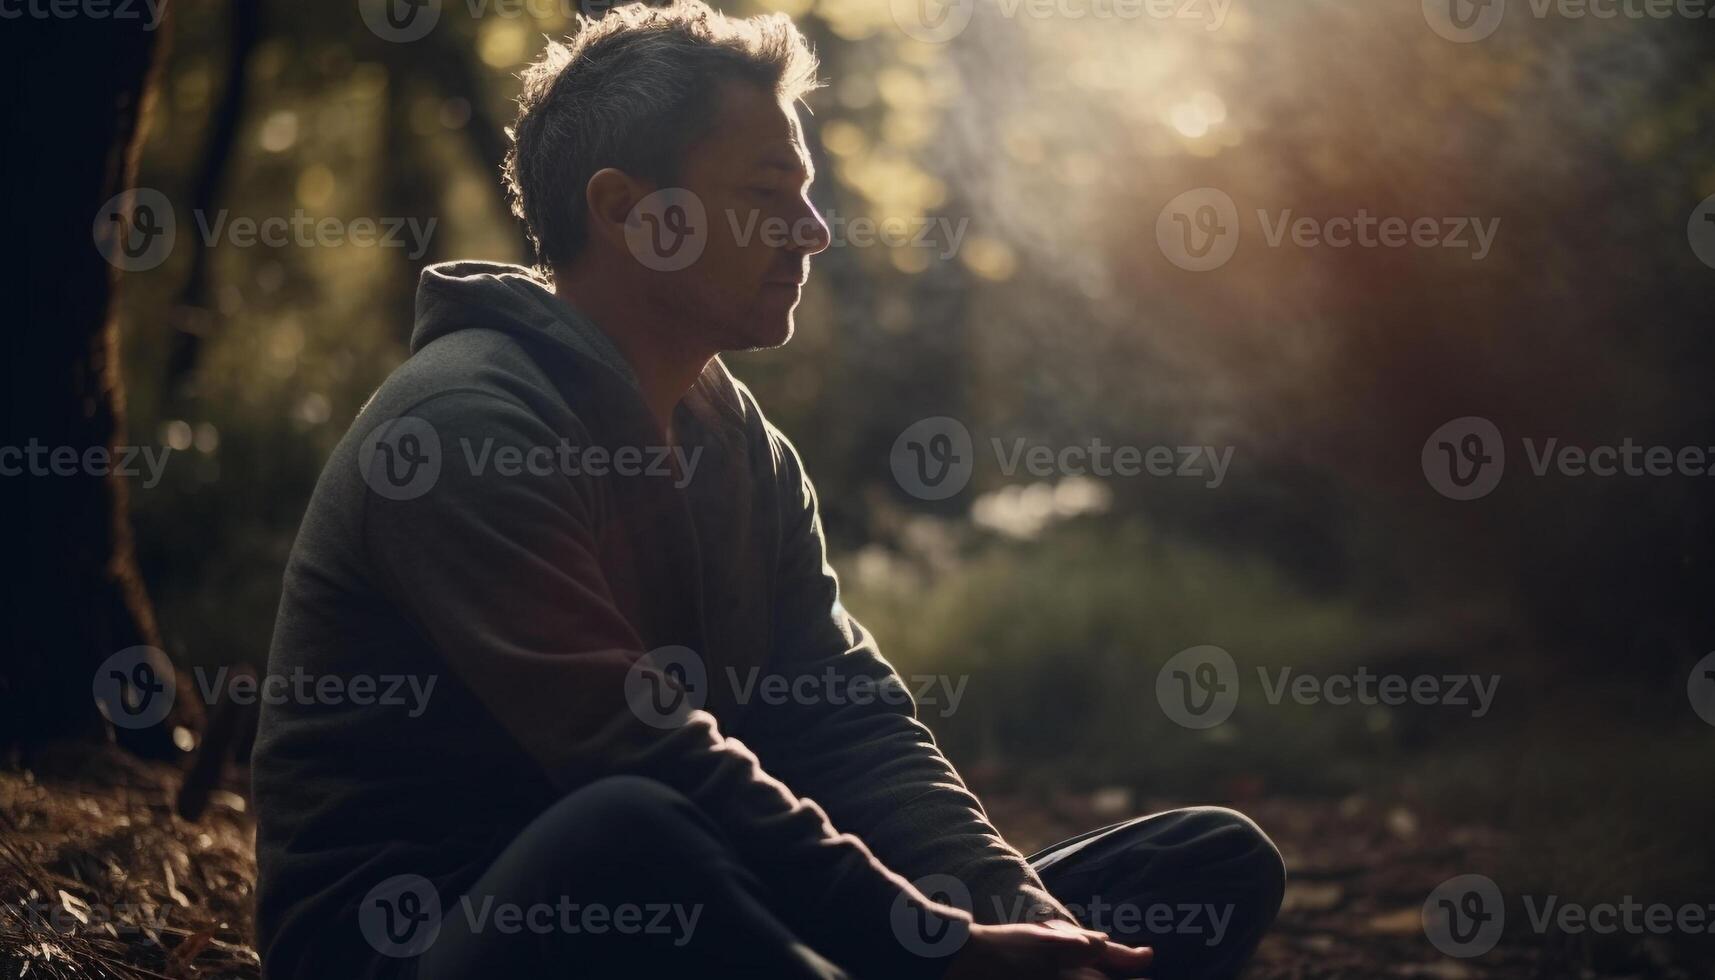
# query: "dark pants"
628, 878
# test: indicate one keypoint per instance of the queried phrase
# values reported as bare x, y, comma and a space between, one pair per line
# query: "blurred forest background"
1060, 320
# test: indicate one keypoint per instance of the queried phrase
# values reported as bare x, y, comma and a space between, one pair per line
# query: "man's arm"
499, 573
872, 765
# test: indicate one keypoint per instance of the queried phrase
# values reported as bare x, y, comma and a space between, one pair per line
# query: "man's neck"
666, 366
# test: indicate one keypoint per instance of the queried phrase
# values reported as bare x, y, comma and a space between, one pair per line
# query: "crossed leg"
621, 843
1200, 885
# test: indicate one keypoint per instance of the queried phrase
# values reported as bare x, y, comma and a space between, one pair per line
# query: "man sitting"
566, 512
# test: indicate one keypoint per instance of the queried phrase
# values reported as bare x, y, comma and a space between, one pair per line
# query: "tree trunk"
74, 117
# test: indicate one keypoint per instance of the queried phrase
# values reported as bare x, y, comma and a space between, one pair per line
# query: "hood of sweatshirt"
454, 296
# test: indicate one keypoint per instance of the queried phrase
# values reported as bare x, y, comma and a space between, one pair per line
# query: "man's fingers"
1125, 961
1071, 938
1061, 925
1071, 950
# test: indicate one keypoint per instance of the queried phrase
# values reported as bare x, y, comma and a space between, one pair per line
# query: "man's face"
752, 176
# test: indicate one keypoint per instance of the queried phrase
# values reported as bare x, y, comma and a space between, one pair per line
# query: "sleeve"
500, 574
865, 758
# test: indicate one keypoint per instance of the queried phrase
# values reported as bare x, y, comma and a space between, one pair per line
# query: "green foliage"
1062, 639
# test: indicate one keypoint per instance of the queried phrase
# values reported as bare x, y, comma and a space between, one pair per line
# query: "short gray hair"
633, 90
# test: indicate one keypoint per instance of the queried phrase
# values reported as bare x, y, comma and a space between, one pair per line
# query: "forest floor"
100, 878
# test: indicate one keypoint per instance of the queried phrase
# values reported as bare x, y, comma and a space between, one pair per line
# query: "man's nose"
810, 233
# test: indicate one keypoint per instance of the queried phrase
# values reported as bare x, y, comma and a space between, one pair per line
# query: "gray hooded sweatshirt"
501, 522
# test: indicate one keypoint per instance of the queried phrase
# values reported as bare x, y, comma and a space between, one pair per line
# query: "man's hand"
1035, 951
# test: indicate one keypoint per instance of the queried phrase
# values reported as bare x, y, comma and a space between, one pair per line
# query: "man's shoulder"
742, 412
471, 361
476, 377
467, 386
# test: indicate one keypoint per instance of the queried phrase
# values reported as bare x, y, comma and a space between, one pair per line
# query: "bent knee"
634, 806
625, 818
622, 799
1236, 841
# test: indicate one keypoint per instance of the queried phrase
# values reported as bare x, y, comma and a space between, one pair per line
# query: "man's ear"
610, 195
